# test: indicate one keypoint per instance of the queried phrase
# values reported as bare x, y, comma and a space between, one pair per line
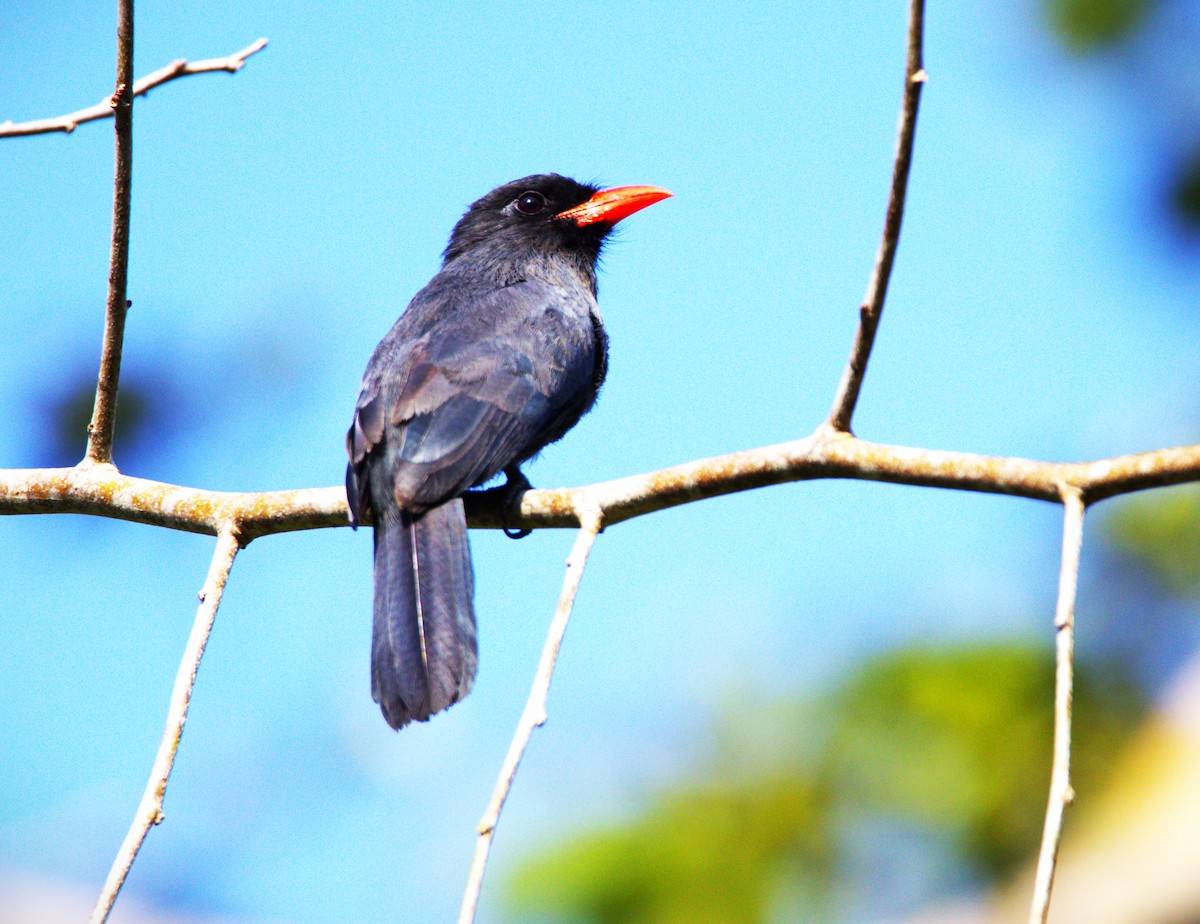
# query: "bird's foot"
516, 485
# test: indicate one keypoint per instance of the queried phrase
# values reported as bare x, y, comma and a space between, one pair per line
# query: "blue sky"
282, 219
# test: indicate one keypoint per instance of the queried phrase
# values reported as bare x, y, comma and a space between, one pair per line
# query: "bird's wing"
485, 387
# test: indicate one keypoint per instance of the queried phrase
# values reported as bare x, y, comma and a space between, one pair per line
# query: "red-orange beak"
611, 205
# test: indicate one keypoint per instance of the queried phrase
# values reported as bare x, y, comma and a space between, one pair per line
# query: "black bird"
498, 356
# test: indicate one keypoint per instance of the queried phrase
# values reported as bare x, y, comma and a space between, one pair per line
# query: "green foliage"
1161, 532
1185, 195
706, 854
1091, 25
952, 741
957, 741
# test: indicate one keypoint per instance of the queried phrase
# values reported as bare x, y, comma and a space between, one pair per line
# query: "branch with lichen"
97, 487
102, 490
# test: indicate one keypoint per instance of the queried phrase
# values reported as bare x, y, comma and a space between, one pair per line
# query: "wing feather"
500, 374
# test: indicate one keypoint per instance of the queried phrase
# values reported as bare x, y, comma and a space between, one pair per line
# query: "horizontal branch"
101, 490
104, 109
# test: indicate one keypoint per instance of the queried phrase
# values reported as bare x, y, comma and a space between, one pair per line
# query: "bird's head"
547, 214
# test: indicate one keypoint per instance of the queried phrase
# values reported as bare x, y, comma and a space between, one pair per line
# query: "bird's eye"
530, 203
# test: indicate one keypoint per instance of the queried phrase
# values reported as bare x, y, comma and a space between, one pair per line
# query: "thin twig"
590, 523
100, 490
149, 810
872, 304
103, 109
100, 430
1061, 794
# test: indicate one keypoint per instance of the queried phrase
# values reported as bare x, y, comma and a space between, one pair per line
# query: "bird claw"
516, 485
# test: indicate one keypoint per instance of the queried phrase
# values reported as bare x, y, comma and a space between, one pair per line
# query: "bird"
499, 355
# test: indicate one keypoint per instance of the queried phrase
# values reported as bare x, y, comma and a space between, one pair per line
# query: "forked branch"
104, 109
96, 487
120, 107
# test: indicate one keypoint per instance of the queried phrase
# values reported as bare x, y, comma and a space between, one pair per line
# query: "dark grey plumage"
500, 354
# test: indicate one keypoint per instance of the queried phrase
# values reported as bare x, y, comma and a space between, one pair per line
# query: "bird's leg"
515, 486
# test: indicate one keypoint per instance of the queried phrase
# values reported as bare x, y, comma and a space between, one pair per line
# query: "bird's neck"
503, 265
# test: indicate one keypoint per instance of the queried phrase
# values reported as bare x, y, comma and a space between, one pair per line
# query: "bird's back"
475, 378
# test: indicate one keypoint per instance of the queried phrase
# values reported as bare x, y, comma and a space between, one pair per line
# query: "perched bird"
498, 356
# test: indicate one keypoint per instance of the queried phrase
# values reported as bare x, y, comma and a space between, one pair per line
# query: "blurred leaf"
706, 854
165, 394
702, 855
1185, 194
952, 740
1160, 531
68, 414
1089, 25
958, 740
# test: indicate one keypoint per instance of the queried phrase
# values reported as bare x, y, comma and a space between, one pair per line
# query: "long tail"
423, 653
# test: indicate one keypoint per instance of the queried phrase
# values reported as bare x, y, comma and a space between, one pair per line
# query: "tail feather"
423, 653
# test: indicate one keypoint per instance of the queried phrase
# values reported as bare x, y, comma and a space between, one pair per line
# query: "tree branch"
1061, 794
96, 487
872, 304
590, 524
100, 430
101, 490
149, 811
103, 109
